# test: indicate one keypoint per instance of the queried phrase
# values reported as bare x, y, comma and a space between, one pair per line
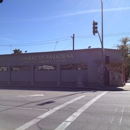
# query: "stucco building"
61, 68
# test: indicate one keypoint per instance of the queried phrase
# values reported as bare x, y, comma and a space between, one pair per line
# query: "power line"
105, 35
38, 43
55, 45
68, 45
65, 39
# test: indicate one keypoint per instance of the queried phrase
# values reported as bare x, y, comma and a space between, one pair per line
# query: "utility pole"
73, 40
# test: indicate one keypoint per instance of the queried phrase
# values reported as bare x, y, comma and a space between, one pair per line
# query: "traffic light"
107, 59
1, 1
95, 28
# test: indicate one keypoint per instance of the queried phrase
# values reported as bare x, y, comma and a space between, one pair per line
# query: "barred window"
3, 68
44, 67
20, 68
74, 67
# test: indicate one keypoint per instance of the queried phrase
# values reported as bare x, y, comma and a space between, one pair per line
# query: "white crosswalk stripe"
34, 95
69, 120
34, 121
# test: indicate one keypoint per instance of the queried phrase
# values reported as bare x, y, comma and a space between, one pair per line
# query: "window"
20, 68
44, 67
3, 68
74, 67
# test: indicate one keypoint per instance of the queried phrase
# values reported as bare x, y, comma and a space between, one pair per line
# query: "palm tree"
17, 51
125, 40
124, 47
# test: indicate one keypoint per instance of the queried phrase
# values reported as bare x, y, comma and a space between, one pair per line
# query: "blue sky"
47, 25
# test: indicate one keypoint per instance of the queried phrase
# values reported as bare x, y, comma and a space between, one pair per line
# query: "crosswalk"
69, 120
86, 110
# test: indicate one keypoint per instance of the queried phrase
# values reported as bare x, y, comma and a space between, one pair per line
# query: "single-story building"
62, 68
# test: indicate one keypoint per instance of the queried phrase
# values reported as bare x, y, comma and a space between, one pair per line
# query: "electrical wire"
38, 43
105, 35
55, 45
67, 46
65, 39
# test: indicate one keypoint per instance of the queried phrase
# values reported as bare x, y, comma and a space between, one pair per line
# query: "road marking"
113, 117
4, 106
23, 108
35, 95
121, 117
69, 120
27, 108
32, 122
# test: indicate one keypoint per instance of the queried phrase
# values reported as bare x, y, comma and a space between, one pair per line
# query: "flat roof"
88, 49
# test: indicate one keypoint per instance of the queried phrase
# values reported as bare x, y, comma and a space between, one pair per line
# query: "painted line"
69, 120
23, 108
5, 106
32, 122
113, 116
121, 117
35, 95
36, 109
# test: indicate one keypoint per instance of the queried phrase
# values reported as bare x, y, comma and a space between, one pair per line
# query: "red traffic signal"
95, 28
1, 1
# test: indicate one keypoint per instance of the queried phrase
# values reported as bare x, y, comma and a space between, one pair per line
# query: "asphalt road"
65, 110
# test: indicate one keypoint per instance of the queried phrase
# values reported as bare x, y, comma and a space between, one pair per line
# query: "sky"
48, 25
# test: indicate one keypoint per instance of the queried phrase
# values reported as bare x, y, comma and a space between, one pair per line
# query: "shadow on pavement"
68, 88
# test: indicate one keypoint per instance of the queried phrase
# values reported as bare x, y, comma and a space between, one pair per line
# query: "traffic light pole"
95, 30
102, 43
99, 38
102, 59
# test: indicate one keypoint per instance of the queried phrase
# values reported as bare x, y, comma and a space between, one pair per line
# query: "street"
65, 110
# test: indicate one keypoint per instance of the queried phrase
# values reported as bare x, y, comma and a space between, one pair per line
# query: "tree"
17, 51
125, 48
